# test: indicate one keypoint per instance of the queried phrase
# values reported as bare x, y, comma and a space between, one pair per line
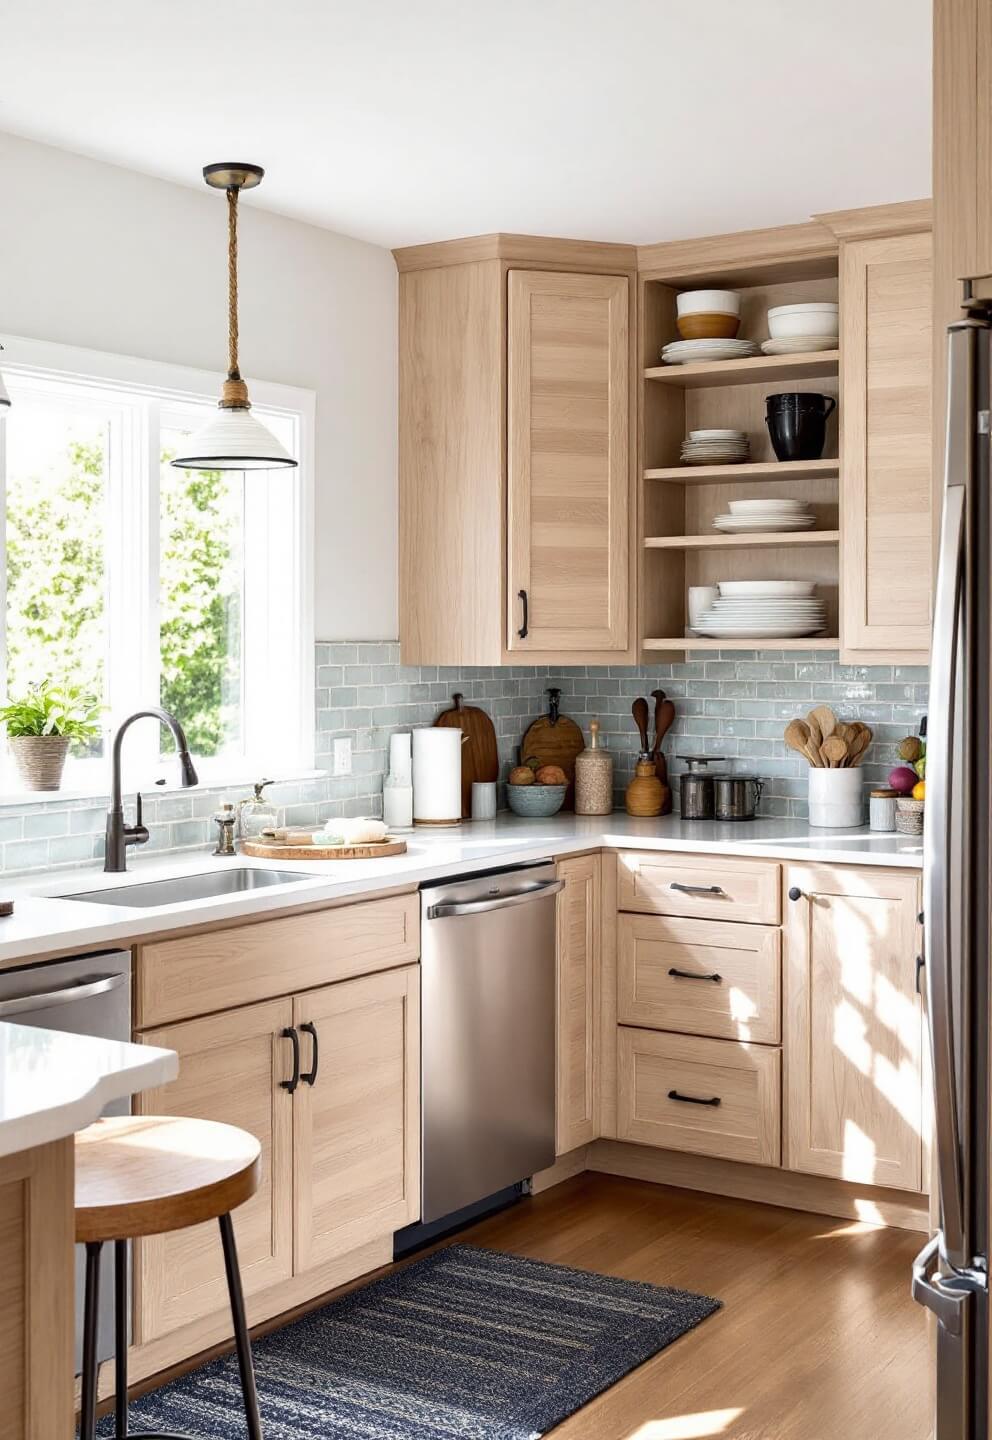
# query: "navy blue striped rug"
467, 1344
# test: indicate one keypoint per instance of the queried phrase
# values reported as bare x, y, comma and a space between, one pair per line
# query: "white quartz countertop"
52, 1084
47, 923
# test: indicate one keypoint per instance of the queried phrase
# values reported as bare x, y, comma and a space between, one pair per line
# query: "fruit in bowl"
536, 790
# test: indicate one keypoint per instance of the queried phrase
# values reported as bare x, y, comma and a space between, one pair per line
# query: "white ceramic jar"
836, 798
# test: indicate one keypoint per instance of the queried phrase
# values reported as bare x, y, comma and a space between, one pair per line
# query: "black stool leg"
240, 1329
120, 1337
91, 1324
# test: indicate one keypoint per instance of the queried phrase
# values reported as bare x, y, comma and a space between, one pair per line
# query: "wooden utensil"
859, 745
555, 739
797, 737
664, 718
480, 756
834, 751
815, 734
825, 719
639, 710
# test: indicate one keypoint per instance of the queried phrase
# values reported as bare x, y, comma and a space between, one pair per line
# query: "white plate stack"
688, 352
798, 329
716, 447
750, 517
764, 610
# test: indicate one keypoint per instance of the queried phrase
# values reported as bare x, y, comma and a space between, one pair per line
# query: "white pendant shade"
233, 439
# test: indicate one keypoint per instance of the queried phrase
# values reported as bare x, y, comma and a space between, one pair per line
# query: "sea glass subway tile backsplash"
730, 703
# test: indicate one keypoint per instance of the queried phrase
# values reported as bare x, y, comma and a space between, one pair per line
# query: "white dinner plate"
800, 345
766, 587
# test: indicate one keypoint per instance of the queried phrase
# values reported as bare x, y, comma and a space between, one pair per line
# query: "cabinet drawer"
199, 974
654, 1070
708, 887
700, 977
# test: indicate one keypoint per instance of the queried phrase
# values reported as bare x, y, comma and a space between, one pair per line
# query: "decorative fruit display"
551, 775
521, 775
902, 778
920, 790
910, 749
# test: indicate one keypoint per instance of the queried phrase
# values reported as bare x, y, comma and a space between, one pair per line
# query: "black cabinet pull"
694, 975
290, 1034
920, 966
522, 632
693, 1099
795, 893
695, 889
310, 1028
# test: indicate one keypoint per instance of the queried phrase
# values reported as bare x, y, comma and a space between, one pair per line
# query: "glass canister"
256, 814
593, 777
696, 787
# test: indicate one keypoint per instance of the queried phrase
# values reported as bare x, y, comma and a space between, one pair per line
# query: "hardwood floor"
818, 1338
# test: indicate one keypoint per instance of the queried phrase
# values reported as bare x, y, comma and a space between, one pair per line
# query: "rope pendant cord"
235, 391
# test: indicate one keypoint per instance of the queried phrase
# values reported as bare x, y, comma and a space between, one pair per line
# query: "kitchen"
523, 917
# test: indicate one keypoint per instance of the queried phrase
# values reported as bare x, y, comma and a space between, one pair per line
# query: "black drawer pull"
310, 1028
695, 889
522, 632
290, 1034
694, 975
693, 1099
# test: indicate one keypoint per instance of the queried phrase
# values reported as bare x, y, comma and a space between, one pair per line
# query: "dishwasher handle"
47, 1000
499, 902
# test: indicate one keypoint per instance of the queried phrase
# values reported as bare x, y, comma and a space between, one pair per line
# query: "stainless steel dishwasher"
89, 995
487, 1034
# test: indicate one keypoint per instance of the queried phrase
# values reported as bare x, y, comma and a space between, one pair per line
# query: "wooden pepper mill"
645, 793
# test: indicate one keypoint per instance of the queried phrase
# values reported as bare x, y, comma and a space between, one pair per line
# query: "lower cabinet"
340, 1153
577, 1040
853, 1025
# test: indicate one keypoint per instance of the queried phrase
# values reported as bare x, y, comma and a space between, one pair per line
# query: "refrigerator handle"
932, 1292
944, 780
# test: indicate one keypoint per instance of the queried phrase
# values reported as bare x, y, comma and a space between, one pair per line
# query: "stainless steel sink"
182, 888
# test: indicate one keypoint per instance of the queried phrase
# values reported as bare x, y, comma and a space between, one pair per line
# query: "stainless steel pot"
736, 797
696, 800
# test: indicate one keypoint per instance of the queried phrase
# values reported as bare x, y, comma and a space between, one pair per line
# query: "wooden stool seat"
148, 1174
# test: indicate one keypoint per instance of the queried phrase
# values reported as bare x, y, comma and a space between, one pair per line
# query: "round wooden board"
260, 851
555, 743
480, 754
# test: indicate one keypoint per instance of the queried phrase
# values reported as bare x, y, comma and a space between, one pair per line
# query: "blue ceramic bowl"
535, 801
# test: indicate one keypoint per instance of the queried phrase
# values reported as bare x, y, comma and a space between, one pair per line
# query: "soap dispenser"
256, 814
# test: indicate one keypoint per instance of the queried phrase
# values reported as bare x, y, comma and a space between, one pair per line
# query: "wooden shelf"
765, 470
756, 370
741, 542
698, 642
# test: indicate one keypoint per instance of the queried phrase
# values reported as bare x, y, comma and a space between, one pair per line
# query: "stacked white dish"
716, 447
749, 517
764, 610
687, 352
795, 329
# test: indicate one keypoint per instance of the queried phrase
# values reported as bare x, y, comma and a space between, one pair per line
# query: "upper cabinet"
886, 303
516, 451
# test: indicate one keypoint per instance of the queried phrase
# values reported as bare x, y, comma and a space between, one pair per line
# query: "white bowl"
809, 307
767, 587
708, 302
786, 322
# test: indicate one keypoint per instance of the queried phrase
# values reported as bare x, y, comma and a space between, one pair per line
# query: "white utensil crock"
836, 798
437, 775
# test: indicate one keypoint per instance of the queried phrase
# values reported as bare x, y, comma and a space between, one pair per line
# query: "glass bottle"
256, 814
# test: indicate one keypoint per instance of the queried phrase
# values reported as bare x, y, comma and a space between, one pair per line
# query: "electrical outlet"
342, 756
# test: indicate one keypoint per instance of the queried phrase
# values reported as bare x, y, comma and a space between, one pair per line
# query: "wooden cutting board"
480, 755
554, 739
286, 850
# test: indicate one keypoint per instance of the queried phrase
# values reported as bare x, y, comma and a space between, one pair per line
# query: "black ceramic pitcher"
797, 424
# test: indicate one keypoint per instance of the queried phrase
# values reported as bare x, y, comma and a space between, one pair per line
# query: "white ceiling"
408, 120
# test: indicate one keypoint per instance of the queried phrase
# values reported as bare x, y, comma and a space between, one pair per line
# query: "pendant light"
233, 439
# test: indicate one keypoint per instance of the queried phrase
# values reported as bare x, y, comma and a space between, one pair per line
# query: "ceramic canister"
437, 775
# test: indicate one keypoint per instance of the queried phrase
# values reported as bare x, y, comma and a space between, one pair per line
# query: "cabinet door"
579, 919
230, 1066
357, 1125
568, 458
886, 285
853, 1026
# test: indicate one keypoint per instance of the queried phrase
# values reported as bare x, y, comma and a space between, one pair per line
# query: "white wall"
102, 257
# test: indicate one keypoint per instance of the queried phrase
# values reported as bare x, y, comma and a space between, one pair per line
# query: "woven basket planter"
40, 759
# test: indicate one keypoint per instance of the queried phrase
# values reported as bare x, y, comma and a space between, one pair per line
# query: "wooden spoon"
859, 748
834, 751
659, 699
639, 710
797, 737
815, 734
825, 719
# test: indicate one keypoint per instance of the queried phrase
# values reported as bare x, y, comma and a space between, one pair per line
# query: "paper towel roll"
437, 776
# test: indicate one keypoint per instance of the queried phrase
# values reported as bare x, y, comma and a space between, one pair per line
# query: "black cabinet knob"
795, 893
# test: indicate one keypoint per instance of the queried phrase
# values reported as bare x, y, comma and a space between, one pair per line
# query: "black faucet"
119, 835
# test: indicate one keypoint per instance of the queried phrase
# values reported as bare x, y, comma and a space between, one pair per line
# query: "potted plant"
43, 724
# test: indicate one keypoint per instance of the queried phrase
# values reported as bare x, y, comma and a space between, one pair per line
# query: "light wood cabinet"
853, 1025
886, 348
230, 1069
357, 1126
705, 887
568, 462
577, 1042
516, 456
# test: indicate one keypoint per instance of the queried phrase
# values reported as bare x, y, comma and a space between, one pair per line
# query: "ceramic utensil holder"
836, 798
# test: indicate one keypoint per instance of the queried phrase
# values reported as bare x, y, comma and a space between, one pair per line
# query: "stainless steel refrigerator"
950, 1275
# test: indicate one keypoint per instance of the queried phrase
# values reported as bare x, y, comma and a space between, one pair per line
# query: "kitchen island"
51, 1085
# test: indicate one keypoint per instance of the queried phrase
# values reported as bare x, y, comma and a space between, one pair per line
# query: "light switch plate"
342, 756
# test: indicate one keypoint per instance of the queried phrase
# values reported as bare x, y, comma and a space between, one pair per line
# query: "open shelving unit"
679, 547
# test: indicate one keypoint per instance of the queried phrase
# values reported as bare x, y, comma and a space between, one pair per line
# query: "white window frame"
279, 735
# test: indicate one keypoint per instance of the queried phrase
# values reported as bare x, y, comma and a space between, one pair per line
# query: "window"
151, 585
